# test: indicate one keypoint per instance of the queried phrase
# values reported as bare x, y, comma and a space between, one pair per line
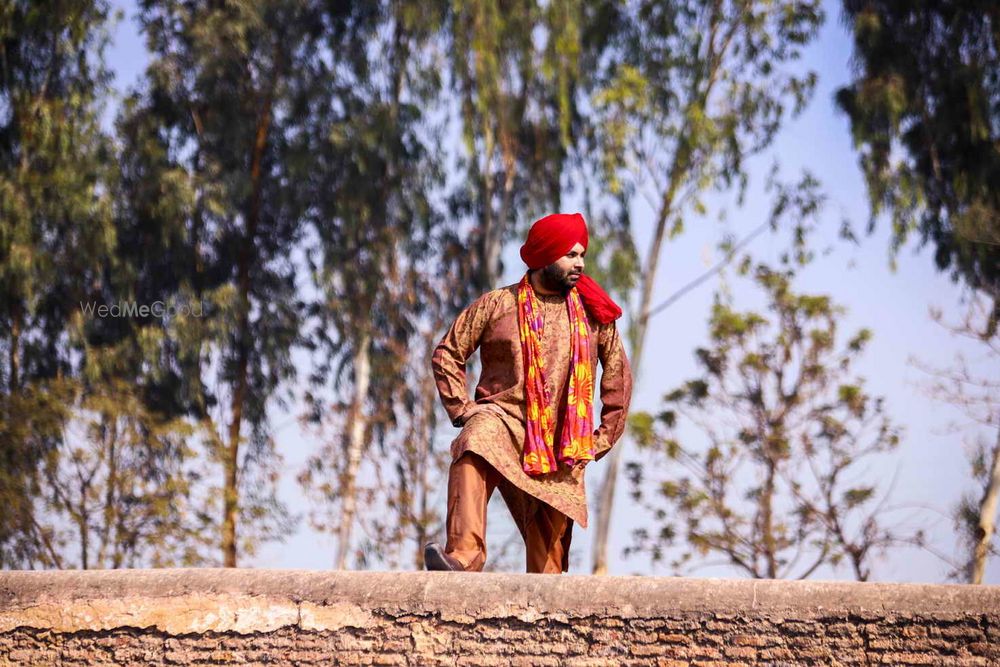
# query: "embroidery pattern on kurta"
491, 325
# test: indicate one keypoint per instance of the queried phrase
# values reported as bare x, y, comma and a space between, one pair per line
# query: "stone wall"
258, 617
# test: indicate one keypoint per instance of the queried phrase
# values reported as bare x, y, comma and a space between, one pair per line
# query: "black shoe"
436, 559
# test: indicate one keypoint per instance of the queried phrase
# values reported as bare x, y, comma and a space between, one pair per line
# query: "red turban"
552, 237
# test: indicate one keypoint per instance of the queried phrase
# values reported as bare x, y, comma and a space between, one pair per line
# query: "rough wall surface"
268, 617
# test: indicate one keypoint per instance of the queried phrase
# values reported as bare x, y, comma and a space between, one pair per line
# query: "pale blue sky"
930, 468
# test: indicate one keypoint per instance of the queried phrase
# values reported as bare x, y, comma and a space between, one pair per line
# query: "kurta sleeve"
448, 360
616, 389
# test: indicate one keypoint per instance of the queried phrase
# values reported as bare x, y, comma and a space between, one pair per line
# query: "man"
529, 431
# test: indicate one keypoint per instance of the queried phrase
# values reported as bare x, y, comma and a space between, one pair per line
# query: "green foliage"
56, 231
773, 483
641, 427
212, 204
693, 89
924, 116
268, 127
29, 435
382, 241
612, 258
119, 488
260, 128
520, 74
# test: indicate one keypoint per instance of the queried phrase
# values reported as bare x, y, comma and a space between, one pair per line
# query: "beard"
556, 279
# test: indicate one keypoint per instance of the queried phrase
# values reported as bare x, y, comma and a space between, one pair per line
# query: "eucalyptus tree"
56, 231
521, 74
374, 167
924, 108
215, 214
690, 91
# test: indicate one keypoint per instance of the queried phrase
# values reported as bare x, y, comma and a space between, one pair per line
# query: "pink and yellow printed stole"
577, 441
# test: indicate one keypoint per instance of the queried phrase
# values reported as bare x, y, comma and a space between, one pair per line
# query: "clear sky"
930, 469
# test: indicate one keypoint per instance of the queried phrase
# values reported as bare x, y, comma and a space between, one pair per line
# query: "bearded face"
560, 278
563, 274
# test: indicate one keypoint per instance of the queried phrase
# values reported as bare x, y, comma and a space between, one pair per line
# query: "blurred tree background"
310, 192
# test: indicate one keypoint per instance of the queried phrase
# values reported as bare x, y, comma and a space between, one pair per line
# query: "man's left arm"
616, 389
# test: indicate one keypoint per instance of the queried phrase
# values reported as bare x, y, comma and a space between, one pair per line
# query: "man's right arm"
448, 360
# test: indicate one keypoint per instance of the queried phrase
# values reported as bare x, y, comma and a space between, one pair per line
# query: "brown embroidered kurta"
490, 324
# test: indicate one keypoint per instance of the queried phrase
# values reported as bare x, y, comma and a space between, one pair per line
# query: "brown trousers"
546, 531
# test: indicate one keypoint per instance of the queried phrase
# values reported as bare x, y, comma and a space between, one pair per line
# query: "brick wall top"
177, 602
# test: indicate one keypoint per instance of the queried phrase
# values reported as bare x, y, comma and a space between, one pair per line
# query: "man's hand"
482, 407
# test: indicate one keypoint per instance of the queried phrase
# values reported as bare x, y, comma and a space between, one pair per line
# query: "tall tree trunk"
111, 508
606, 496
987, 518
489, 252
232, 455
423, 464
767, 521
245, 261
680, 169
491, 256
14, 379
83, 521
356, 441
